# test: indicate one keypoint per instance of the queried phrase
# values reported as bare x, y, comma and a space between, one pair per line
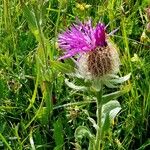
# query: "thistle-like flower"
97, 57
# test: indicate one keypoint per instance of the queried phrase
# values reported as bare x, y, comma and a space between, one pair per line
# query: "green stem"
99, 116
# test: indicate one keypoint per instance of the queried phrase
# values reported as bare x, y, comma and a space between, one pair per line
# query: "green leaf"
109, 112
31, 141
113, 113
58, 135
105, 124
42, 116
81, 132
62, 67
75, 87
91, 145
106, 98
5, 141
59, 147
77, 146
47, 93
36, 114
121, 79
146, 144
39, 140
34, 93
112, 83
93, 122
30, 16
106, 108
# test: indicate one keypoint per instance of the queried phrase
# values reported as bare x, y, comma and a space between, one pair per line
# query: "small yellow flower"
144, 37
113, 122
118, 142
82, 6
135, 58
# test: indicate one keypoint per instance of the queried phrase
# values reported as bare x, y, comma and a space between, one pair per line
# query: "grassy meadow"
38, 110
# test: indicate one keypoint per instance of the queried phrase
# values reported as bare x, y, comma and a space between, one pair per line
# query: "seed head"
99, 62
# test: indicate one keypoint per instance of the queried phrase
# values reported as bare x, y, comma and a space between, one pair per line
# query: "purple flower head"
100, 35
82, 38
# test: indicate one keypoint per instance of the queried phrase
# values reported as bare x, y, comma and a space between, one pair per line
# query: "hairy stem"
99, 116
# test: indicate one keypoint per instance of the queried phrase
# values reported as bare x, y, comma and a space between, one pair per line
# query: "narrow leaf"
93, 122
34, 93
58, 134
30, 16
115, 95
4, 140
121, 79
31, 140
62, 67
75, 87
